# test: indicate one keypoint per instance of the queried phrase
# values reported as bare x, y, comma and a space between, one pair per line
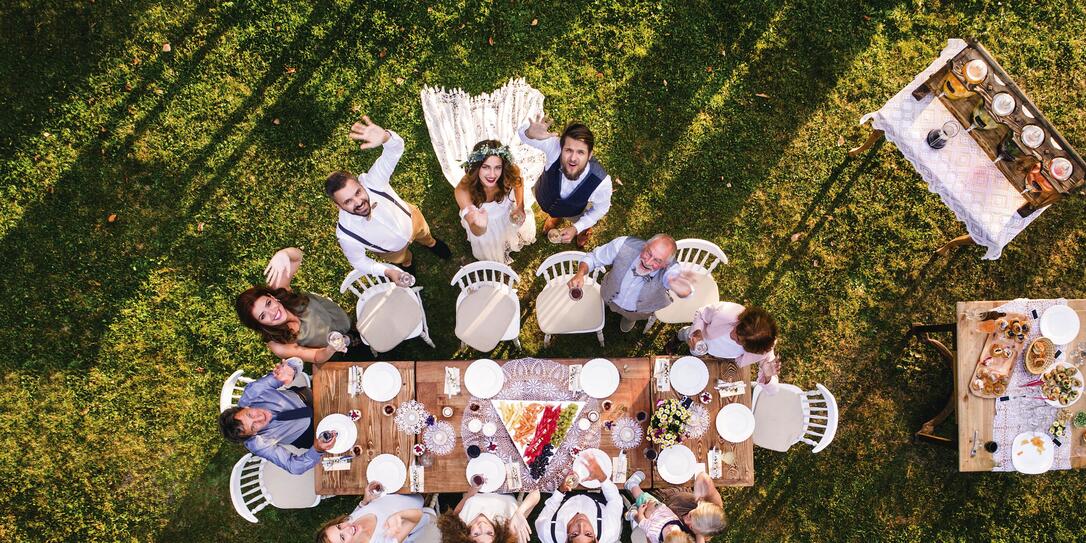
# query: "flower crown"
480, 154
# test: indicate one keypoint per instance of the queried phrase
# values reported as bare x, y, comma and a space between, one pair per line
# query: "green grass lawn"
724, 120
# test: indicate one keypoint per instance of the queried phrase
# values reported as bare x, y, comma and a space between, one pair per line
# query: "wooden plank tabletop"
742, 472
447, 473
975, 413
377, 432
633, 395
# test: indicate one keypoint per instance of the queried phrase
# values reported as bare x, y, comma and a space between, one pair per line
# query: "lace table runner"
961, 173
533, 379
1024, 413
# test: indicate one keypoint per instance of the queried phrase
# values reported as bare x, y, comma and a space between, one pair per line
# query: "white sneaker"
634, 480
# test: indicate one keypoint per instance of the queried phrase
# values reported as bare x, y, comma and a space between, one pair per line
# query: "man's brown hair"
578, 132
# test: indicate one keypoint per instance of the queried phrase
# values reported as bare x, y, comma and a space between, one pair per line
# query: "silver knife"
973, 451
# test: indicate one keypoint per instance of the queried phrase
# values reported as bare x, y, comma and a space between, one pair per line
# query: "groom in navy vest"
574, 185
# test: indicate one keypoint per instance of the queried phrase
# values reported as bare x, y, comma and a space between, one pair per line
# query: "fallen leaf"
709, 69
729, 185
291, 69
840, 140
275, 121
490, 40
762, 95
166, 48
599, 74
399, 81
301, 145
135, 60
128, 87
618, 181
796, 236
199, 227
382, 53
199, 369
112, 217
814, 263
867, 18
665, 82
535, 22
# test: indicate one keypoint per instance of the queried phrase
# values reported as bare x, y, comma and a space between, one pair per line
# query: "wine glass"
938, 137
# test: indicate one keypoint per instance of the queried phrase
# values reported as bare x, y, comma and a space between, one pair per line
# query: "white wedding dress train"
457, 121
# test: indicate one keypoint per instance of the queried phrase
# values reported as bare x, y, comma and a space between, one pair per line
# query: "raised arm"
601, 256
612, 514
282, 266
536, 133
313, 355
705, 491
474, 216
279, 455
399, 525
371, 135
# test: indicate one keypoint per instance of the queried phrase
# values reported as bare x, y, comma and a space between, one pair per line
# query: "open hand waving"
368, 133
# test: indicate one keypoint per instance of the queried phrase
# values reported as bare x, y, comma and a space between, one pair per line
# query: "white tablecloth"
961, 174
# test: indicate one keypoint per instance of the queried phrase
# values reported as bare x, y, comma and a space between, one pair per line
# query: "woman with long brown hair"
292, 323
491, 201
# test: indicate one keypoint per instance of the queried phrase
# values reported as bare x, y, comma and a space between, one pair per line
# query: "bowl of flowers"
667, 422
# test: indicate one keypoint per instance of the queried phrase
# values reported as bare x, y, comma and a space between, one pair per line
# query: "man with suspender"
372, 217
268, 417
582, 517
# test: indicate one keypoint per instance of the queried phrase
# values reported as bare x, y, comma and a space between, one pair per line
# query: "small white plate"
484, 378
491, 467
599, 378
489, 429
346, 432
1025, 456
580, 465
381, 382
689, 376
735, 422
677, 464
388, 470
1060, 324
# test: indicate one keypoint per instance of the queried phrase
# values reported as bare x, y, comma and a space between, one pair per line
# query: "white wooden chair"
792, 415
234, 386
487, 309
700, 257
556, 312
386, 314
256, 483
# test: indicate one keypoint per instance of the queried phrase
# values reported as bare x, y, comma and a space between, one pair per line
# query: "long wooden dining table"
424, 382
975, 414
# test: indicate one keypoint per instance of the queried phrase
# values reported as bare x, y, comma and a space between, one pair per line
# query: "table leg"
964, 239
871, 139
927, 430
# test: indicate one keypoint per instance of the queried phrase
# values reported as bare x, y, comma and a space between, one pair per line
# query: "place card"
736, 388
418, 478
354, 380
336, 463
513, 481
662, 372
713, 464
575, 377
619, 468
452, 381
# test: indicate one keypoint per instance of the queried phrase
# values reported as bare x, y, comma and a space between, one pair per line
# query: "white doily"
698, 423
439, 438
1022, 412
961, 174
411, 417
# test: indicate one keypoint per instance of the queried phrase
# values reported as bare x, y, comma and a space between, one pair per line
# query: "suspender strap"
391, 199
361, 239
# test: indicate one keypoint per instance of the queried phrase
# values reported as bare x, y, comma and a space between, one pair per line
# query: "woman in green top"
293, 323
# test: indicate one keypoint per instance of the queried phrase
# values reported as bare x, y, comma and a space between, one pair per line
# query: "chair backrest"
232, 389
358, 282
485, 271
700, 252
820, 414
564, 264
246, 491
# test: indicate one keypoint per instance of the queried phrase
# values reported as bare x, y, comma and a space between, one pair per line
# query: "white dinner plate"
676, 464
1025, 456
735, 422
1060, 324
689, 376
491, 467
388, 470
346, 432
484, 378
599, 378
381, 382
1078, 390
580, 465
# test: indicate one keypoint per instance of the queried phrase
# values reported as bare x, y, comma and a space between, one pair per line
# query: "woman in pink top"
730, 330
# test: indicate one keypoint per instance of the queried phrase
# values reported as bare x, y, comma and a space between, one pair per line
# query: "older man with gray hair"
641, 274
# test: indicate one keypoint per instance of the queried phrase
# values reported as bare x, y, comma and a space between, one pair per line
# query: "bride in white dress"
458, 123
491, 201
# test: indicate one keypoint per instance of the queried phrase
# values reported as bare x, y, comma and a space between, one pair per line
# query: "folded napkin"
336, 463
662, 372
418, 478
452, 381
575, 377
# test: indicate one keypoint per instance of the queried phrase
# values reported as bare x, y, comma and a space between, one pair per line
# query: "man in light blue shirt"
268, 418
642, 279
